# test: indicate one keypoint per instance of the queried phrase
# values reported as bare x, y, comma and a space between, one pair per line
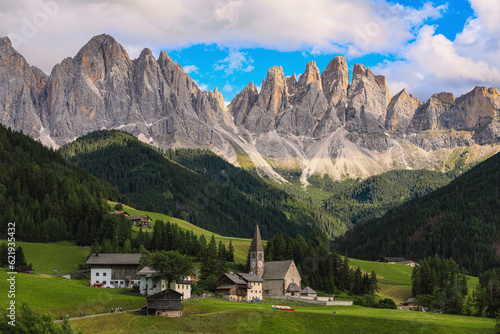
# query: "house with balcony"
240, 287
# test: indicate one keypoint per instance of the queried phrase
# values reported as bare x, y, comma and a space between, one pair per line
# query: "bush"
387, 304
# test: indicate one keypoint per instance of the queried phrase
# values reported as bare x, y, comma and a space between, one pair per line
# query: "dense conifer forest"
358, 201
459, 221
216, 195
48, 198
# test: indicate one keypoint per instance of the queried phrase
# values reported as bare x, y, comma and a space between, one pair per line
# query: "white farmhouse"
114, 270
148, 286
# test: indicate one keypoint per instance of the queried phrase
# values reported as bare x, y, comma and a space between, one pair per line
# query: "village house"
141, 220
114, 270
165, 303
398, 260
148, 286
240, 287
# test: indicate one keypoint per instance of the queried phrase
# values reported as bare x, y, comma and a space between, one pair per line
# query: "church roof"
293, 287
256, 245
276, 269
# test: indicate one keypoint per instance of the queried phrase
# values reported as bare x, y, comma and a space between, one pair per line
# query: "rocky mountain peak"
217, 96
444, 97
335, 80
291, 83
360, 70
310, 76
400, 111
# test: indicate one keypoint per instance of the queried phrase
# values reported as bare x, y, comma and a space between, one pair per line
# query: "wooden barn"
166, 303
141, 220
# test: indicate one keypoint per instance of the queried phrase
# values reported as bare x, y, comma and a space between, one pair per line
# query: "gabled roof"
233, 278
276, 269
308, 290
251, 278
164, 292
146, 271
115, 259
137, 217
256, 245
293, 287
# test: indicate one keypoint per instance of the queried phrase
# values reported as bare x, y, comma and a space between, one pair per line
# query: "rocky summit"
322, 123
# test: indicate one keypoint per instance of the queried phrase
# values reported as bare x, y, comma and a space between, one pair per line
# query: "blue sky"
424, 46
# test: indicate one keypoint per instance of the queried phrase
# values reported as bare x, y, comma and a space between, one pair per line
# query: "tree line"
440, 285
321, 267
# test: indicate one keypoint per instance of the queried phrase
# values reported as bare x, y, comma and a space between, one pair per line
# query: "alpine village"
132, 201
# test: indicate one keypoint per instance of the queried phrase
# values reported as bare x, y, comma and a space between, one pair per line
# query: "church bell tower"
257, 254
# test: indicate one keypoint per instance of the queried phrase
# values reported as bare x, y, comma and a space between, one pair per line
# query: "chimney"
97, 253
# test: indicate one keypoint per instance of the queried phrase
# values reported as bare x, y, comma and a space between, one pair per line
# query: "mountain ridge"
322, 123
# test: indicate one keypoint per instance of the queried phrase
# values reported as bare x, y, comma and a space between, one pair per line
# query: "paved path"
96, 315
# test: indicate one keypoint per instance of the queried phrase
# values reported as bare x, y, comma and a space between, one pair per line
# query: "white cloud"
190, 69
54, 29
235, 61
434, 63
488, 12
228, 87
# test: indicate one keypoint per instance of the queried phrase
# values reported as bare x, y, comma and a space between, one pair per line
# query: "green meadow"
57, 295
62, 256
216, 316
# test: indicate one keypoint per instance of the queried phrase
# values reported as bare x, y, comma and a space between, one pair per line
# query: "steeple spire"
256, 245
257, 254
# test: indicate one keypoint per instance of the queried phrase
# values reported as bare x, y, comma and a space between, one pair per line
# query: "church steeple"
257, 254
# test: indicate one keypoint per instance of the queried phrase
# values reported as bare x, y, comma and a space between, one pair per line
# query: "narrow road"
96, 315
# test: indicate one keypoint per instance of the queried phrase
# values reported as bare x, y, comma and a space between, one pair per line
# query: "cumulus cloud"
190, 69
489, 13
228, 87
235, 61
50, 30
434, 63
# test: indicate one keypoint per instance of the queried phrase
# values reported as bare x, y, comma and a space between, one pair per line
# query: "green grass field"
231, 317
394, 280
62, 256
57, 295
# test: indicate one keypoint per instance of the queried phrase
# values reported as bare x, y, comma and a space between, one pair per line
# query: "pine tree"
230, 252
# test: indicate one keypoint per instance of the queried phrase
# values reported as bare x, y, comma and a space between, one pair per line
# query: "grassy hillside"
241, 245
216, 316
460, 220
62, 256
206, 190
56, 295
